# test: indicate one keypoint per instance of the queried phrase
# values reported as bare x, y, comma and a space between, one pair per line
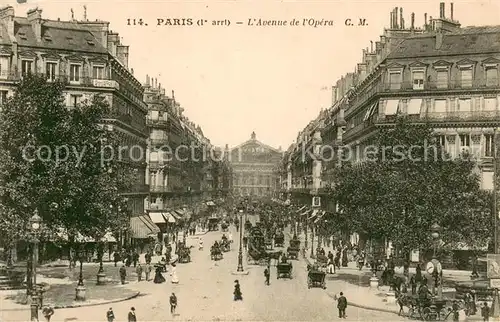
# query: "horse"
274, 255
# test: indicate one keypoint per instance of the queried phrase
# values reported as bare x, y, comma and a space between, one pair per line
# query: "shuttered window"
466, 77
491, 76
442, 78
395, 80
418, 79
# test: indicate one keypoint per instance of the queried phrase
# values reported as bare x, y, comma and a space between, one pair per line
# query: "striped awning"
319, 216
169, 217
143, 227
157, 217
301, 208
305, 212
314, 214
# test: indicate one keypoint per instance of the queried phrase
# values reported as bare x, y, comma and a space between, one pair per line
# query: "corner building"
90, 60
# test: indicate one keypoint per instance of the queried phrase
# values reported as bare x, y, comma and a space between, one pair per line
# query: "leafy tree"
51, 159
408, 184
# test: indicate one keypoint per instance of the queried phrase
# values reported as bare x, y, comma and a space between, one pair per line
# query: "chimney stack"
451, 11
401, 19
431, 22
396, 26
371, 46
412, 21
159, 85
35, 19
132, 71
391, 25
425, 21
441, 10
147, 79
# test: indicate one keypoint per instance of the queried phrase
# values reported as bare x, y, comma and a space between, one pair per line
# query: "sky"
232, 80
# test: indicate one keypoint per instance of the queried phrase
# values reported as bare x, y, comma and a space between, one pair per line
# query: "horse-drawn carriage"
293, 249
315, 277
184, 255
322, 261
268, 242
213, 223
224, 226
284, 270
279, 239
431, 309
225, 245
216, 253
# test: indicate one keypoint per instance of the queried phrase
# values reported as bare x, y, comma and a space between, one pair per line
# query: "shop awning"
369, 111
210, 203
314, 214
143, 227
180, 212
301, 208
169, 217
305, 212
157, 217
319, 216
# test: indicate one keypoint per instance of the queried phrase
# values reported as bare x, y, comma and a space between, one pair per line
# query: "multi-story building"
183, 170
440, 74
253, 165
90, 60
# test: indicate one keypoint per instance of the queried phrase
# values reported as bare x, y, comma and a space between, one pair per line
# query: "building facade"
90, 60
184, 170
254, 165
439, 74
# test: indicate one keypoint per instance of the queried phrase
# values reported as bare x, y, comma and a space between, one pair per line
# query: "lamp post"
80, 287
100, 273
312, 241
436, 273
35, 223
240, 270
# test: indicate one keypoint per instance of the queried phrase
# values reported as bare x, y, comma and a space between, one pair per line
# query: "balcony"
159, 140
140, 188
156, 122
456, 116
405, 88
160, 189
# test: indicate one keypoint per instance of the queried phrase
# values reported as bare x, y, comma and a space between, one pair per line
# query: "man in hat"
131, 315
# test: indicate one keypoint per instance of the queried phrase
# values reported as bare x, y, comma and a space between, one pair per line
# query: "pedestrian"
173, 303
342, 305
147, 270
237, 291
131, 315
267, 275
230, 237
123, 274
413, 285
110, 315
116, 257
485, 312
138, 270
147, 257
200, 244
135, 258
173, 273
47, 312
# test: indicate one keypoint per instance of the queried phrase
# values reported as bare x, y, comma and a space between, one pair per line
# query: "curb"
81, 305
308, 261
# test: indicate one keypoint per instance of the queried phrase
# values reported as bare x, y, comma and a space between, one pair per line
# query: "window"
489, 149
464, 140
418, 79
74, 100
74, 73
154, 115
491, 76
442, 78
441, 140
466, 77
50, 71
464, 105
26, 67
98, 72
3, 97
490, 104
395, 80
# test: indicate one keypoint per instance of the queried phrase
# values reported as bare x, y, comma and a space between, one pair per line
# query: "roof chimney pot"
441, 10
412, 21
451, 11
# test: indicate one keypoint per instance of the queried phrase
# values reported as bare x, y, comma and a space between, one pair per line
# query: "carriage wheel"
427, 314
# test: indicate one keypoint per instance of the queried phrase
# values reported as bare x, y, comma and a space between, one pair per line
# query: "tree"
52, 160
408, 184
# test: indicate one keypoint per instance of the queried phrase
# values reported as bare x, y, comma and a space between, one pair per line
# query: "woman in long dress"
173, 273
158, 275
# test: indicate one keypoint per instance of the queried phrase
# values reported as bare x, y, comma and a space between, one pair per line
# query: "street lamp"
312, 241
100, 273
80, 287
240, 270
35, 223
435, 264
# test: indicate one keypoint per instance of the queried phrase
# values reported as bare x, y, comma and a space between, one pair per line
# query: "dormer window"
418, 79
442, 77
395, 79
466, 75
491, 72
